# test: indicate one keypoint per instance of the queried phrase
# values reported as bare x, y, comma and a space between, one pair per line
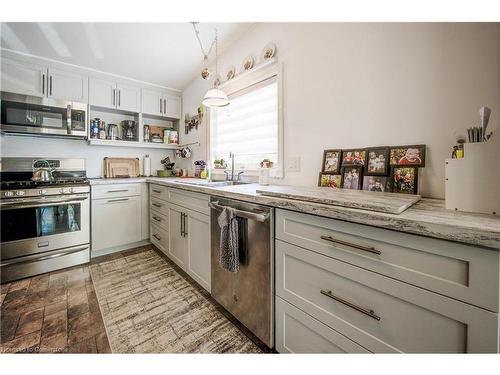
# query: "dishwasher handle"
261, 217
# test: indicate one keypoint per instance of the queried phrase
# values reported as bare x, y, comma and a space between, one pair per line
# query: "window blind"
248, 126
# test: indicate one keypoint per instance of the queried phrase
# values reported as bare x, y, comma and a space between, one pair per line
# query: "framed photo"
352, 177
377, 161
353, 157
376, 183
408, 155
331, 161
404, 179
329, 180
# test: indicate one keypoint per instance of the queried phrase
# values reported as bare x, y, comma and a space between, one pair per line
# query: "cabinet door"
115, 222
68, 86
128, 98
152, 102
102, 93
198, 248
173, 107
177, 242
23, 78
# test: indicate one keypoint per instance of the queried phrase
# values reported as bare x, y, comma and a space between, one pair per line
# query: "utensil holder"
472, 184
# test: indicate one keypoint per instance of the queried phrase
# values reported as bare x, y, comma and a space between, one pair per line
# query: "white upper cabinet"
128, 98
152, 102
159, 103
23, 77
109, 94
27, 78
102, 93
66, 85
173, 107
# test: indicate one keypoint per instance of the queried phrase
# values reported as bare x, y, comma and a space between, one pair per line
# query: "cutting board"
366, 200
121, 167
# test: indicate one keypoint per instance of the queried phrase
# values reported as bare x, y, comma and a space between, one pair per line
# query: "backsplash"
19, 146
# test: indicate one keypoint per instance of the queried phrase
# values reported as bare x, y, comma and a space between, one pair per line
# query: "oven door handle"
39, 203
41, 257
260, 217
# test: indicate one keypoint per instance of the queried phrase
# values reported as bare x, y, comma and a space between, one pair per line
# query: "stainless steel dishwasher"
248, 293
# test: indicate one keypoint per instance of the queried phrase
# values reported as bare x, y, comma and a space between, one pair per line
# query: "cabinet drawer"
193, 201
159, 237
380, 313
115, 190
159, 219
158, 205
115, 222
158, 191
467, 273
298, 332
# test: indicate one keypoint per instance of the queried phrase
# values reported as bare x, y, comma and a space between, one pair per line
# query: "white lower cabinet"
115, 222
384, 291
119, 216
177, 244
186, 225
198, 247
298, 332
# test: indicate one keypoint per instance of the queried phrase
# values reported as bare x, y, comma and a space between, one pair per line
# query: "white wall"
12, 146
359, 85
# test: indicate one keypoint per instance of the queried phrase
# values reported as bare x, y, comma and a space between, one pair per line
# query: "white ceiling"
166, 54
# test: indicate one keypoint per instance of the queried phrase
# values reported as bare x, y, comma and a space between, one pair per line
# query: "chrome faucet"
231, 156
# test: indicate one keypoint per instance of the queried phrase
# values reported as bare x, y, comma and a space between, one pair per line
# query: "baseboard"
111, 250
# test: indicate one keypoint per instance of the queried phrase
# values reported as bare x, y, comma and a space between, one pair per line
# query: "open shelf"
107, 142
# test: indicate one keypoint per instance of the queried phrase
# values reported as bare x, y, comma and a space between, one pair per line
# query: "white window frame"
241, 82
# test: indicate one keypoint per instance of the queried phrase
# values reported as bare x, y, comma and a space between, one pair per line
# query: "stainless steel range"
45, 225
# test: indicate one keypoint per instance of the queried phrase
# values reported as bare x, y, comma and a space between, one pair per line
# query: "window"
248, 126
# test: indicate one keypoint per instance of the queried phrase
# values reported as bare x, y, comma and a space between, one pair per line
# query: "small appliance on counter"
129, 130
113, 132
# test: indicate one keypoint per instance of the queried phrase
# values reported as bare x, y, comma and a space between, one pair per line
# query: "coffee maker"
129, 130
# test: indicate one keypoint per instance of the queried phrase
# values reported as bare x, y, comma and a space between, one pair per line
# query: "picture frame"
404, 179
411, 155
355, 156
331, 161
329, 180
376, 183
352, 177
377, 161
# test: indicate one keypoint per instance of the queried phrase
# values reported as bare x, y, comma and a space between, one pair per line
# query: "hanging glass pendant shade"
215, 98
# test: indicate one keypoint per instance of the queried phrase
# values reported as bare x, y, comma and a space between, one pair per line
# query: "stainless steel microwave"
32, 115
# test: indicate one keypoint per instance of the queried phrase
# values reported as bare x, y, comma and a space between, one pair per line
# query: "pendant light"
214, 97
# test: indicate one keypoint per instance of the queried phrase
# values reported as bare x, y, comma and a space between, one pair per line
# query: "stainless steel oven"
42, 116
44, 226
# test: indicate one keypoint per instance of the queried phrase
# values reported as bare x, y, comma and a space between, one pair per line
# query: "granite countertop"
428, 217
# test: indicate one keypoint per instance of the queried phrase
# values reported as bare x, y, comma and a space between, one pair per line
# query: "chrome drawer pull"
368, 312
157, 218
157, 191
359, 247
117, 200
117, 191
157, 237
157, 204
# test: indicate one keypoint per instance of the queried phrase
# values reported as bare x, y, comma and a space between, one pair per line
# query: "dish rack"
472, 184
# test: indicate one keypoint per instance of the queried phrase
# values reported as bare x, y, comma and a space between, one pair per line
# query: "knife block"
472, 184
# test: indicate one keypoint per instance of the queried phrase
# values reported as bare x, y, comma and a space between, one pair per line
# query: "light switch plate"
293, 164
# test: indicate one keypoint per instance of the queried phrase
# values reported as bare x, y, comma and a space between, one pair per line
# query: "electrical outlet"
293, 164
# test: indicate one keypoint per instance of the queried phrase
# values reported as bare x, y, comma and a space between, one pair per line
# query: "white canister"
264, 176
146, 166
